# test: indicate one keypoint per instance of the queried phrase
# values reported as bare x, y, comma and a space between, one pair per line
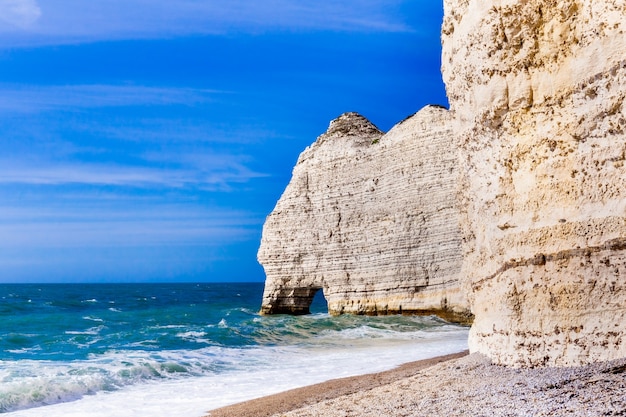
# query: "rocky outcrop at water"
371, 220
515, 199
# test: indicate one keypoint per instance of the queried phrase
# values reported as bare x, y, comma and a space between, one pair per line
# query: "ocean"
129, 350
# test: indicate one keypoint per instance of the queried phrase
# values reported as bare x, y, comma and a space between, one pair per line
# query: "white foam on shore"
260, 371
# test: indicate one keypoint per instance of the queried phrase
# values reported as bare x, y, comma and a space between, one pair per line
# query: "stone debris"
472, 386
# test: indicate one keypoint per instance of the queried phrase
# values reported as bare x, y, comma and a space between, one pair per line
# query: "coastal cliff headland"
537, 91
510, 208
371, 220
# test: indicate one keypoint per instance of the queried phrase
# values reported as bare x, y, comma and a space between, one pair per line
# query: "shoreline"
453, 385
309, 395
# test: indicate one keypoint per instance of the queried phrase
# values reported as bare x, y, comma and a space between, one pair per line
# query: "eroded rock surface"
372, 220
537, 88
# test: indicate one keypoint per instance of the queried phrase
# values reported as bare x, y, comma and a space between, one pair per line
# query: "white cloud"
220, 175
90, 224
130, 232
185, 130
19, 13
255, 16
16, 98
76, 21
47, 159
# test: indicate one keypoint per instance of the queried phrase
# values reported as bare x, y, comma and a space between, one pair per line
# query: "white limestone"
534, 148
537, 90
370, 219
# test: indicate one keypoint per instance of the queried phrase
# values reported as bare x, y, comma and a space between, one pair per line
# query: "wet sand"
313, 394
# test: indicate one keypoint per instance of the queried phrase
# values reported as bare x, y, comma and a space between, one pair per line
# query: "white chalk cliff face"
371, 219
537, 90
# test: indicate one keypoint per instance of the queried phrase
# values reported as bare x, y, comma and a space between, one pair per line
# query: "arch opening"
295, 301
319, 304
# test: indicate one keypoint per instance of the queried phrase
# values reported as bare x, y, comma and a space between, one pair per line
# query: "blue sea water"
183, 349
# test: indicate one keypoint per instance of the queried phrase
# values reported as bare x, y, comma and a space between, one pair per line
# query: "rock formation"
535, 147
371, 220
537, 90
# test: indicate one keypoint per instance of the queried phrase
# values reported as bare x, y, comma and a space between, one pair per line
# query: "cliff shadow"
296, 301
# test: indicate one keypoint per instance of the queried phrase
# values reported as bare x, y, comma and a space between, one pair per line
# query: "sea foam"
182, 349
233, 375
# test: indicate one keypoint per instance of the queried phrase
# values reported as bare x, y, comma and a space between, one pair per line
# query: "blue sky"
147, 140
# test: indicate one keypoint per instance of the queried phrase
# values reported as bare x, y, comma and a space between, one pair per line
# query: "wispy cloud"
71, 21
220, 173
18, 14
24, 98
180, 131
89, 223
109, 154
115, 233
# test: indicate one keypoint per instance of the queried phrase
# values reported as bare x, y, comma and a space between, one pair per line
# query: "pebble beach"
454, 385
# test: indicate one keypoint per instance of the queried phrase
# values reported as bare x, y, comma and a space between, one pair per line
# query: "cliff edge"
537, 91
514, 201
371, 220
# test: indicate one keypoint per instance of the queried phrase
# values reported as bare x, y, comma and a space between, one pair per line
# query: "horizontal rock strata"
370, 219
537, 88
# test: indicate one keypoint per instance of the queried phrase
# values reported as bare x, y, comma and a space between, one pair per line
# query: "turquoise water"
62, 343
74, 322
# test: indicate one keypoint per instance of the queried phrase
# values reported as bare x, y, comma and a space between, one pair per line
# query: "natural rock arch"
370, 218
285, 300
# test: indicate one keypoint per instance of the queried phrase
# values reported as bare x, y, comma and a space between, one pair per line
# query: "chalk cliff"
537, 90
371, 219
514, 201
